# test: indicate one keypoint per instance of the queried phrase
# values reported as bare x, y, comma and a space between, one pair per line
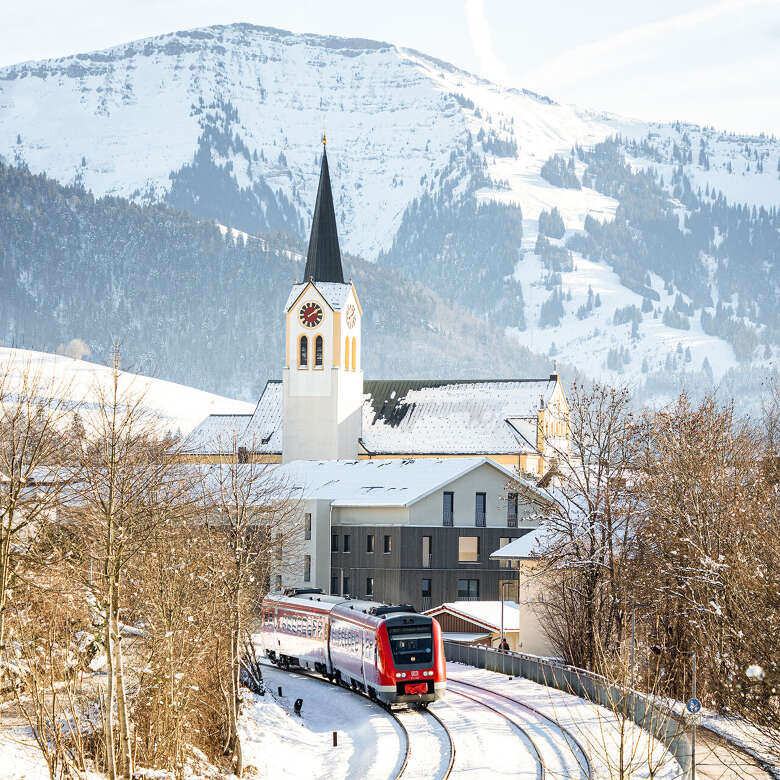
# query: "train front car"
411, 664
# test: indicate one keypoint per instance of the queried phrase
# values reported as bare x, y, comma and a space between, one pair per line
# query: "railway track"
418, 754
574, 745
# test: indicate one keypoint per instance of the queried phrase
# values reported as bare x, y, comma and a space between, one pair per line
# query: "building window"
468, 590
468, 549
347, 543
427, 543
479, 510
278, 582
388, 544
370, 543
334, 542
334, 584
346, 353
426, 587
369, 586
511, 510
447, 508
307, 526
307, 568
346, 586
303, 352
318, 352
502, 542
354, 354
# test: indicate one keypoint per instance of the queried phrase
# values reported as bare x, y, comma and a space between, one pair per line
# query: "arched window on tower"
303, 352
318, 352
354, 354
346, 353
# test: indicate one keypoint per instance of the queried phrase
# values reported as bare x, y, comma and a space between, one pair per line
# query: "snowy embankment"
283, 746
180, 407
598, 730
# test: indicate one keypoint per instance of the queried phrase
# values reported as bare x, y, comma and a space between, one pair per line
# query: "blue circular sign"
693, 706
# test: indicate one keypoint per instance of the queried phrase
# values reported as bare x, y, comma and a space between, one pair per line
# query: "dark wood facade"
401, 575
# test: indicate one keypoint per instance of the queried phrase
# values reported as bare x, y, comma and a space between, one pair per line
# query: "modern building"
409, 531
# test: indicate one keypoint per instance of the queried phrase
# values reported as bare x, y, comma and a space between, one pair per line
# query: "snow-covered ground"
180, 407
283, 746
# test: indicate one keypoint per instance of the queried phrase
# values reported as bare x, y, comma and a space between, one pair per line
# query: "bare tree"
35, 413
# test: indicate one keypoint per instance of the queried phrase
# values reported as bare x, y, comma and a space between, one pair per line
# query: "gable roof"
218, 434
426, 417
334, 294
486, 614
398, 482
323, 259
524, 546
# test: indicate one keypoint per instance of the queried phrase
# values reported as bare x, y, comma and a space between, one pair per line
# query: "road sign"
693, 706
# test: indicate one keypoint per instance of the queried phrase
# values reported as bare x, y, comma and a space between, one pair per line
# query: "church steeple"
323, 260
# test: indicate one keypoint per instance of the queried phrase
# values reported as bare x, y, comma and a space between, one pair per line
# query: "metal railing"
427, 559
579, 682
425, 603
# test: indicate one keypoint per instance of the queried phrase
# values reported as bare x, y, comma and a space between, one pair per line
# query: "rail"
579, 682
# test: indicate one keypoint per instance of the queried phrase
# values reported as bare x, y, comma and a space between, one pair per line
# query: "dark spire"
323, 260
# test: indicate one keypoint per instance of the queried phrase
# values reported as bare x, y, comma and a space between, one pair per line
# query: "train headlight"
400, 674
428, 674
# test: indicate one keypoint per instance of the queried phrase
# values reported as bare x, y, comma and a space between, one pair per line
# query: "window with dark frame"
468, 590
502, 542
388, 544
318, 352
334, 584
334, 542
426, 587
370, 543
307, 568
468, 549
479, 510
448, 504
427, 557
346, 590
278, 582
369, 586
511, 510
347, 543
303, 355
307, 525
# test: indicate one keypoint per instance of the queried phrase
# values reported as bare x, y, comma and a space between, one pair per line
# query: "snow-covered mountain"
179, 407
437, 174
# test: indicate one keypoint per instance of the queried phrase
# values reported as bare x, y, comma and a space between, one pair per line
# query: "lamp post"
634, 607
693, 727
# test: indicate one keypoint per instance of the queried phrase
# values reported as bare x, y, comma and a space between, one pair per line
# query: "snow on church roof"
218, 434
391, 482
334, 293
408, 417
460, 416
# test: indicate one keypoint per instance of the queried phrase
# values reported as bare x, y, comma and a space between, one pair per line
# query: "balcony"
425, 603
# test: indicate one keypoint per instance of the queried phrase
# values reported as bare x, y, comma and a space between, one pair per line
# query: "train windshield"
411, 644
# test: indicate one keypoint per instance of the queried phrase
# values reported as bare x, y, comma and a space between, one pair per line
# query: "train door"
368, 658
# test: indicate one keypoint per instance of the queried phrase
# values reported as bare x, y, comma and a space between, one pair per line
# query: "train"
389, 652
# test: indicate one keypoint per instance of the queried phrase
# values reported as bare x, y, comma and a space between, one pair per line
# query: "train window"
411, 644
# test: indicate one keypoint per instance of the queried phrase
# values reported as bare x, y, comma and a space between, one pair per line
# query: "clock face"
351, 317
310, 314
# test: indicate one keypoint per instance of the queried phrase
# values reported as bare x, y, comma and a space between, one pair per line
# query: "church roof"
333, 292
423, 417
218, 434
323, 260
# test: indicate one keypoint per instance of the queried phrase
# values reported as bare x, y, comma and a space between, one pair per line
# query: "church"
408, 485
324, 409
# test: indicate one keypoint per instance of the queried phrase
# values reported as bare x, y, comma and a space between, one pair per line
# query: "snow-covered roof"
462, 636
263, 434
486, 614
391, 482
458, 416
526, 546
218, 434
334, 293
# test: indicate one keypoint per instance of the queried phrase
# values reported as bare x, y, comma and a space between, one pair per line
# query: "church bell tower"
323, 373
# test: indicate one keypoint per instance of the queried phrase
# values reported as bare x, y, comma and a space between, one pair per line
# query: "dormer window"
303, 352
318, 352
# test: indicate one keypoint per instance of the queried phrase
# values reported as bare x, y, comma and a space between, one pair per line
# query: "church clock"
310, 315
351, 316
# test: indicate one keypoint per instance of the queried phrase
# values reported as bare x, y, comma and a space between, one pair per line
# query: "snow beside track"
283, 746
596, 728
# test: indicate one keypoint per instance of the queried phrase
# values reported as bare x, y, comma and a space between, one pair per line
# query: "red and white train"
389, 652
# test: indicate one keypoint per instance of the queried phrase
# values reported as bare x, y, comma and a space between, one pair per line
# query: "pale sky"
714, 63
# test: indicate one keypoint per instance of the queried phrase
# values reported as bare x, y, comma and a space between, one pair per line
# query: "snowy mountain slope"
224, 121
180, 407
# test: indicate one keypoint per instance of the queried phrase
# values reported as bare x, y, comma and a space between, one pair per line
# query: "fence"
587, 685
